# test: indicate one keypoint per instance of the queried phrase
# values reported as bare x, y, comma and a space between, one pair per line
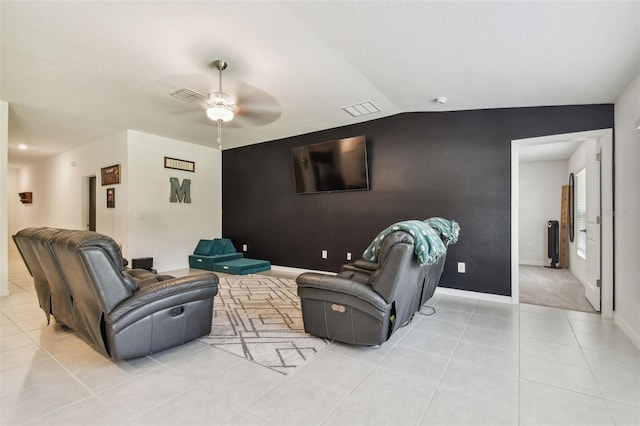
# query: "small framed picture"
111, 198
110, 175
174, 163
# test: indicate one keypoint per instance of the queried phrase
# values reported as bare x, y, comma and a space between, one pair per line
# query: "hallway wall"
627, 210
540, 191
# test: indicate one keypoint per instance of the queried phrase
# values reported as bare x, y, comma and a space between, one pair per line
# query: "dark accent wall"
455, 165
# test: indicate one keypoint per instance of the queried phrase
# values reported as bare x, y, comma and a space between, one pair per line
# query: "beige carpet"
259, 319
557, 288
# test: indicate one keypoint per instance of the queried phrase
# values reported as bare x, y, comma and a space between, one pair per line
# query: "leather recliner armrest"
361, 270
154, 297
356, 274
136, 278
365, 264
341, 285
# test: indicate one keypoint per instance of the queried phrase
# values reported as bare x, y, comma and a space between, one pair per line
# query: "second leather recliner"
366, 302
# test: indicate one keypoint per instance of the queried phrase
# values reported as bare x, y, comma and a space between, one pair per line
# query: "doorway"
603, 141
90, 204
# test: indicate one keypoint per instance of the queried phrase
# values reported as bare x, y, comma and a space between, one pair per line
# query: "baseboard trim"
292, 270
533, 263
473, 295
635, 339
439, 290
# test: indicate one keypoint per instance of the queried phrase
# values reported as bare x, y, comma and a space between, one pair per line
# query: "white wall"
627, 210
167, 231
59, 191
4, 192
14, 204
540, 200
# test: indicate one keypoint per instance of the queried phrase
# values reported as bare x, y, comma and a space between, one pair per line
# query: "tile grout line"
573, 331
446, 367
343, 399
92, 394
55, 359
373, 367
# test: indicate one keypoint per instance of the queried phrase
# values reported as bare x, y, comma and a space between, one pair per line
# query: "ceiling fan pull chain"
220, 135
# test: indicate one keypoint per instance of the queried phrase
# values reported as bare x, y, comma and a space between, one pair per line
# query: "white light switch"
324, 254
461, 267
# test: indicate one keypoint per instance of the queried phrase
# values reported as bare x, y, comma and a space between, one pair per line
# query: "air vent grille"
358, 110
189, 95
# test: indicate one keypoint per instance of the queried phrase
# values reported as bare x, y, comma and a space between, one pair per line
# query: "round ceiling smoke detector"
440, 100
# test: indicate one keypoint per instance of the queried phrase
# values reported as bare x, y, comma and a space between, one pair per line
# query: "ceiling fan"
250, 107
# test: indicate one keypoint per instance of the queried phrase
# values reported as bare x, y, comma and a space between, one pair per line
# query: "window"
581, 213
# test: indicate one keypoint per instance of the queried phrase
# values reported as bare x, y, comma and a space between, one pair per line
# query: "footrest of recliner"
343, 318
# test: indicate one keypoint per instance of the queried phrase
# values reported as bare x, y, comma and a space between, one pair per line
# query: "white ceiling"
552, 151
76, 71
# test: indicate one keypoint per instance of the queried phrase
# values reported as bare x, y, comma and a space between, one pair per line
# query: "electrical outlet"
348, 256
462, 267
324, 254
244, 247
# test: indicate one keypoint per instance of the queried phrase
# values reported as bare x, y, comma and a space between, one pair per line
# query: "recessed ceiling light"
441, 100
22, 146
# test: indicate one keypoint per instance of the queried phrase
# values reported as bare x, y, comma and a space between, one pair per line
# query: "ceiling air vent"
189, 95
359, 110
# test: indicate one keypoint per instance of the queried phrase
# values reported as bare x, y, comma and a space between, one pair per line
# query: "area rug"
258, 318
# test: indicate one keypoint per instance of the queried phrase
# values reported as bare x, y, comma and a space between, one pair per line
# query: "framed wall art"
111, 198
110, 175
174, 163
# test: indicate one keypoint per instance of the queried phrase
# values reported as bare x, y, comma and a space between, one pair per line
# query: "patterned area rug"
259, 319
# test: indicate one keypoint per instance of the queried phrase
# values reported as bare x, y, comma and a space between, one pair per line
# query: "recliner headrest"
391, 240
76, 239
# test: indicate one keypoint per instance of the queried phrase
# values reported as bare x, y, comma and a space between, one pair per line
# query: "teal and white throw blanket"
432, 236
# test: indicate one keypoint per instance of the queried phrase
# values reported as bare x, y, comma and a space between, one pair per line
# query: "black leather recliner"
80, 280
24, 241
366, 302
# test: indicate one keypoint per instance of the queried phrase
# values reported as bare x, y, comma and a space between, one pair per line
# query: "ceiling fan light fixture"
219, 98
219, 113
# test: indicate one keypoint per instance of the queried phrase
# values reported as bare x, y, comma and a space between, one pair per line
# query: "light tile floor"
472, 363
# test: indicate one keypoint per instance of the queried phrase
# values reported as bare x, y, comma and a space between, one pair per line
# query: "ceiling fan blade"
256, 107
253, 118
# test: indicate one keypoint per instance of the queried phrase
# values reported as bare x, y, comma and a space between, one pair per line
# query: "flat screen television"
339, 165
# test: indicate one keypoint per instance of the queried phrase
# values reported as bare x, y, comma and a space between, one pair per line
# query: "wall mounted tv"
339, 165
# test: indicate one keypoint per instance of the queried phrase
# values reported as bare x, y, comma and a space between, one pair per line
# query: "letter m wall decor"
180, 192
